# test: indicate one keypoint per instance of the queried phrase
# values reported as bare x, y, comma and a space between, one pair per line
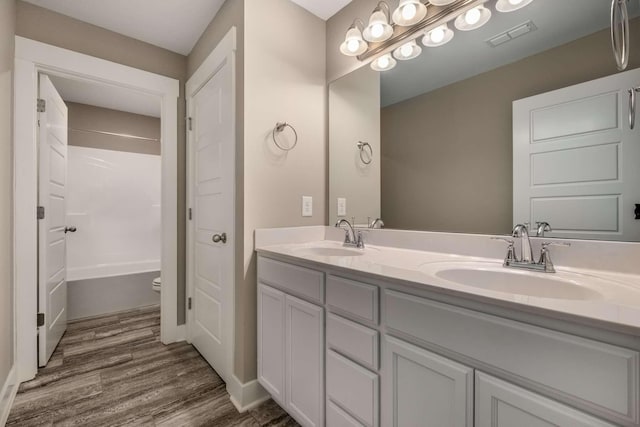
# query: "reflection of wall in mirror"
454, 166
354, 115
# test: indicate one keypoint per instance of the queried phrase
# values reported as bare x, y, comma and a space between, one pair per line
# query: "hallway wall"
7, 28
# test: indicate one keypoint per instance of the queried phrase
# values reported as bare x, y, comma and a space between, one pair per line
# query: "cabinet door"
271, 341
420, 388
499, 403
305, 361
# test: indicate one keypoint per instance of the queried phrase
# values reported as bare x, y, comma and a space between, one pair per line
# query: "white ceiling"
323, 9
175, 25
106, 96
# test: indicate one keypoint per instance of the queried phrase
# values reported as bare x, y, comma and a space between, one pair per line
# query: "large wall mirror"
490, 130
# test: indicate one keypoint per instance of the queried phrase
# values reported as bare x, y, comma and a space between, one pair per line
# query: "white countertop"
617, 301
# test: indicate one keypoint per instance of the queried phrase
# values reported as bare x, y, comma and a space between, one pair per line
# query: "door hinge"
190, 214
40, 319
42, 105
40, 212
189, 303
190, 123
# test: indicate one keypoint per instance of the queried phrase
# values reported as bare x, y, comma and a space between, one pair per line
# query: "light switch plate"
307, 206
342, 206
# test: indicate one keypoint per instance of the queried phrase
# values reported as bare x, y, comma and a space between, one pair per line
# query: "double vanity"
429, 329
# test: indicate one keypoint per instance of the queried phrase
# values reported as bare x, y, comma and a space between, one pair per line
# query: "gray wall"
285, 80
447, 154
83, 119
43, 25
7, 27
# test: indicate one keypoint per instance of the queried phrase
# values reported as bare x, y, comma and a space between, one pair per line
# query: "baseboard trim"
246, 396
7, 395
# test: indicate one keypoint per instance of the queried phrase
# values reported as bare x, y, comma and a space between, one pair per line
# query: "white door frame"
31, 58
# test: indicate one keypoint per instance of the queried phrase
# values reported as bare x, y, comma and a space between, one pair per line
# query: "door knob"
70, 230
220, 238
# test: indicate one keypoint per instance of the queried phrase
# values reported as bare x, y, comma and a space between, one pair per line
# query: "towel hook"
362, 146
280, 126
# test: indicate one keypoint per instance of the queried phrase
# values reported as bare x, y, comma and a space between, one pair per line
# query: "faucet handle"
504, 239
511, 251
545, 255
545, 245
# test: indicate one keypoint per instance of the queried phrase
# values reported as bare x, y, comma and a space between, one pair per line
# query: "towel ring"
280, 126
362, 146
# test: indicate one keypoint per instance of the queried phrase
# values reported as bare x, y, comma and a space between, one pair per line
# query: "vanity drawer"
595, 375
356, 299
353, 340
299, 281
353, 388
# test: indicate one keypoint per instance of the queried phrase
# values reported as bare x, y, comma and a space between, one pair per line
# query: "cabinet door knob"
71, 229
220, 238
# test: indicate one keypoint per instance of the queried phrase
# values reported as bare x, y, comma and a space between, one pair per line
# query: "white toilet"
157, 284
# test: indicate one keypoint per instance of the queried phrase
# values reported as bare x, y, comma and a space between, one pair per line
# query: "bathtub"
113, 199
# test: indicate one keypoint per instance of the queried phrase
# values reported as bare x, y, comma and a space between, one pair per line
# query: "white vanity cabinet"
421, 388
390, 354
500, 404
291, 340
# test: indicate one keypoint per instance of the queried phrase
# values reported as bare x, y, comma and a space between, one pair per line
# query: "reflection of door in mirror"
575, 159
354, 117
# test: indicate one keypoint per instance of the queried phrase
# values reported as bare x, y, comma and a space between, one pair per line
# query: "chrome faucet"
377, 223
522, 232
525, 260
351, 237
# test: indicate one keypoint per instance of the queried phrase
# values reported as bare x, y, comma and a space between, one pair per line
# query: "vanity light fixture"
354, 44
409, 12
441, 2
473, 18
407, 51
511, 5
383, 63
390, 39
439, 36
379, 28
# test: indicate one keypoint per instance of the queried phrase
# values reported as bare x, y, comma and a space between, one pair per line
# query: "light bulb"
377, 30
515, 2
383, 61
353, 45
437, 35
472, 16
406, 50
409, 11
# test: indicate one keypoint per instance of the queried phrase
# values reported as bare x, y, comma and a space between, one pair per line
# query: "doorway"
32, 60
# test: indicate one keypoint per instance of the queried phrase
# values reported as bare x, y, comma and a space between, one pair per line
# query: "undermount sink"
329, 251
500, 279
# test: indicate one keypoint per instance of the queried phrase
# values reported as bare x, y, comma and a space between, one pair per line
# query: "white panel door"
304, 361
500, 404
420, 388
271, 341
52, 247
576, 157
213, 166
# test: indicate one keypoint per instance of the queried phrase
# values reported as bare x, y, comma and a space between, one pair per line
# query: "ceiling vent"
515, 32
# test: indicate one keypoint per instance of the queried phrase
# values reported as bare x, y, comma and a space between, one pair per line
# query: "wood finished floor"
113, 371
